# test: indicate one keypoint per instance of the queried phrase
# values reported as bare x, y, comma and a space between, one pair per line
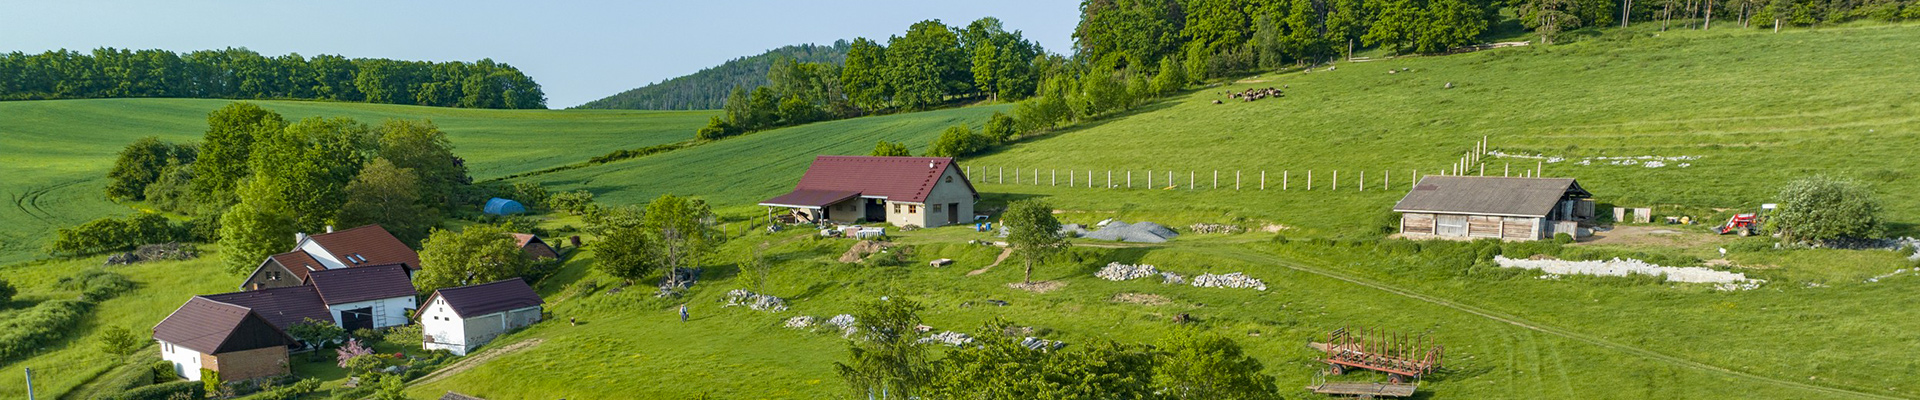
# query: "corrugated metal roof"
907, 179
1525, 197
281, 306
367, 245
347, 285
487, 298
212, 327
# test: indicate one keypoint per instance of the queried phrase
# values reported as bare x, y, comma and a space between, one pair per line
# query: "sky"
577, 50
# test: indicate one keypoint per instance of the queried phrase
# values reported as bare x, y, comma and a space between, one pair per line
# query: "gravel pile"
756, 301
1120, 272
1620, 267
1035, 343
1142, 232
800, 322
949, 338
1234, 280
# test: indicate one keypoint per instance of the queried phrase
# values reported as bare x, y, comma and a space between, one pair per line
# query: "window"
936, 208
273, 275
913, 209
949, 178
896, 208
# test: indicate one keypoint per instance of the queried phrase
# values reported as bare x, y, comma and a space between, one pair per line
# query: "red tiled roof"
907, 179
810, 198
298, 262
521, 239
487, 298
281, 306
213, 327
347, 285
371, 242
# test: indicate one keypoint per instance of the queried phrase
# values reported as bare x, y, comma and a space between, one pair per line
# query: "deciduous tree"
477, 254
1825, 208
390, 196
885, 358
1033, 232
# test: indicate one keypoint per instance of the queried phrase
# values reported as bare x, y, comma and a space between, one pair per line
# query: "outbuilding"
904, 191
535, 247
230, 340
460, 319
500, 206
370, 297
1506, 208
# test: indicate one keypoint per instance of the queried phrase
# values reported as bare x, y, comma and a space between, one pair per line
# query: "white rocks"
1035, 343
1626, 267
759, 302
1172, 278
1215, 228
1233, 280
800, 322
949, 338
1120, 272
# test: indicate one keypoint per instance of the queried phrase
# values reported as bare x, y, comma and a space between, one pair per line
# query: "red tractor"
1745, 224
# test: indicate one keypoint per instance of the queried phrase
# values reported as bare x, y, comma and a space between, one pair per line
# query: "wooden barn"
1477, 207
918, 191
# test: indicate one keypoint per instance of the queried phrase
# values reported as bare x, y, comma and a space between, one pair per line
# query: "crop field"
55, 154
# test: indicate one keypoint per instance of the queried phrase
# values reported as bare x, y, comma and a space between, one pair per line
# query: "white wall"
386, 312
185, 361
439, 321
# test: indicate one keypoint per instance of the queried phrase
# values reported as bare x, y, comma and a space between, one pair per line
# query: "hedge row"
36, 327
164, 391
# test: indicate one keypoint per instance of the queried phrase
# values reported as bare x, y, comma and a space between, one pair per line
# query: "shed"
1474, 207
458, 319
500, 206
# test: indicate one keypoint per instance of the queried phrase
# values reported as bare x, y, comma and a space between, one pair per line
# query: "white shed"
461, 318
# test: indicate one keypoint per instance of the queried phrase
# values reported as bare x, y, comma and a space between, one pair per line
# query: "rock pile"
1121, 272
1215, 228
756, 301
1620, 267
1234, 280
844, 322
677, 280
800, 322
154, 252
949, 338
1142, 232
1035, 343
1172, 278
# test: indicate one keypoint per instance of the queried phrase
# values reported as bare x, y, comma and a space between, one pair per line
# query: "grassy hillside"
1756, 109
55, 154
748, 169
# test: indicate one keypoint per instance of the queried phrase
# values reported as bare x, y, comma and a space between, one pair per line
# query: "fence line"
1125, 180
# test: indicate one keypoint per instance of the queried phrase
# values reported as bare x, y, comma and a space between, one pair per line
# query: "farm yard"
1683, 122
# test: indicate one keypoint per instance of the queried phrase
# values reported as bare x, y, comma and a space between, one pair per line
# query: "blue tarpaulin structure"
499, 206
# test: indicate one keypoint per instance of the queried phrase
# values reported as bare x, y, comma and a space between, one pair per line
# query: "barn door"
1451, 225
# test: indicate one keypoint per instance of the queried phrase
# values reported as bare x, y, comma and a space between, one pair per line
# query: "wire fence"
1470, 164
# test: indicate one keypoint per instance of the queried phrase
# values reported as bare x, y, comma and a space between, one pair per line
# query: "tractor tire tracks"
1263, 258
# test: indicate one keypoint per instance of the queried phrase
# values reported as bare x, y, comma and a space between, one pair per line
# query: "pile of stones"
1035, 343
949, 338
1233, 280
844, 322
800, 322
1215, 228
1121, 272
756, 301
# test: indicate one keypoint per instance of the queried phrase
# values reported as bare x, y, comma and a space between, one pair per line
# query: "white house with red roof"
918, 191
358, 247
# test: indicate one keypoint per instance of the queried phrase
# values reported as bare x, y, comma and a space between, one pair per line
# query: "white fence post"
1336, 180
1069, 178
1189, 179
1363, 180
1129, 179
1016, 175
1002, 174
1150, 179
1263, 179
1309, 180
1216, 179
1283, 180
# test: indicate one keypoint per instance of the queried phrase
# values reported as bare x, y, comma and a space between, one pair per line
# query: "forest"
707, 89
238, 73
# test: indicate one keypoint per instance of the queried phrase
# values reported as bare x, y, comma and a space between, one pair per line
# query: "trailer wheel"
1744, 232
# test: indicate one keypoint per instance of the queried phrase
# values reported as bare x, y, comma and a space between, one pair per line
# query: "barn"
1506, 208
904, 191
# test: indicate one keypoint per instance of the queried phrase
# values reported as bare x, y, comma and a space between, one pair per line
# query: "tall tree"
682, 231
1547, 17
228, 145
1200, 366
259, 225
477, 254
1033, 232
1824, 208
626, 249
141, 164
926, 65
865, 74
390, 196
309, 165
421, 146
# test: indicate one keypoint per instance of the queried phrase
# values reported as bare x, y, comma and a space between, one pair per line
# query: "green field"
55, 154
1751, 110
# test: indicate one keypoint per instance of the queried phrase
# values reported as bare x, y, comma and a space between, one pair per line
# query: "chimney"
329, 228
298, 237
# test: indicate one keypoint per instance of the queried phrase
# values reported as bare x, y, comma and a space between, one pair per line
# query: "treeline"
707, 89
931, 65
259, 179
243, 74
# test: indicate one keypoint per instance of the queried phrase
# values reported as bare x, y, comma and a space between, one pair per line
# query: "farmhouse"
534, 247
370, 297
362, 246
228, 339
462, 318
903, 191
1473, 207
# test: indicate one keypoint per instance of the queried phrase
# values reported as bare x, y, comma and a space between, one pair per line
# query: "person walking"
683, 312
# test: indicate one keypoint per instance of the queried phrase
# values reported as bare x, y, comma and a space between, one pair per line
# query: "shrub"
1000, 128
1563, 238
369, 334
716, 128
1823, 208
529, 193
111, 234
404, 335
957, 141
203, 228
293, 391
119, 341
890, 149
577, 202
210, 380
6, 293
163, 371
95, 284
164, 391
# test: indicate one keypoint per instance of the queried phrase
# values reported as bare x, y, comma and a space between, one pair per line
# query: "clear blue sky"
578, 51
